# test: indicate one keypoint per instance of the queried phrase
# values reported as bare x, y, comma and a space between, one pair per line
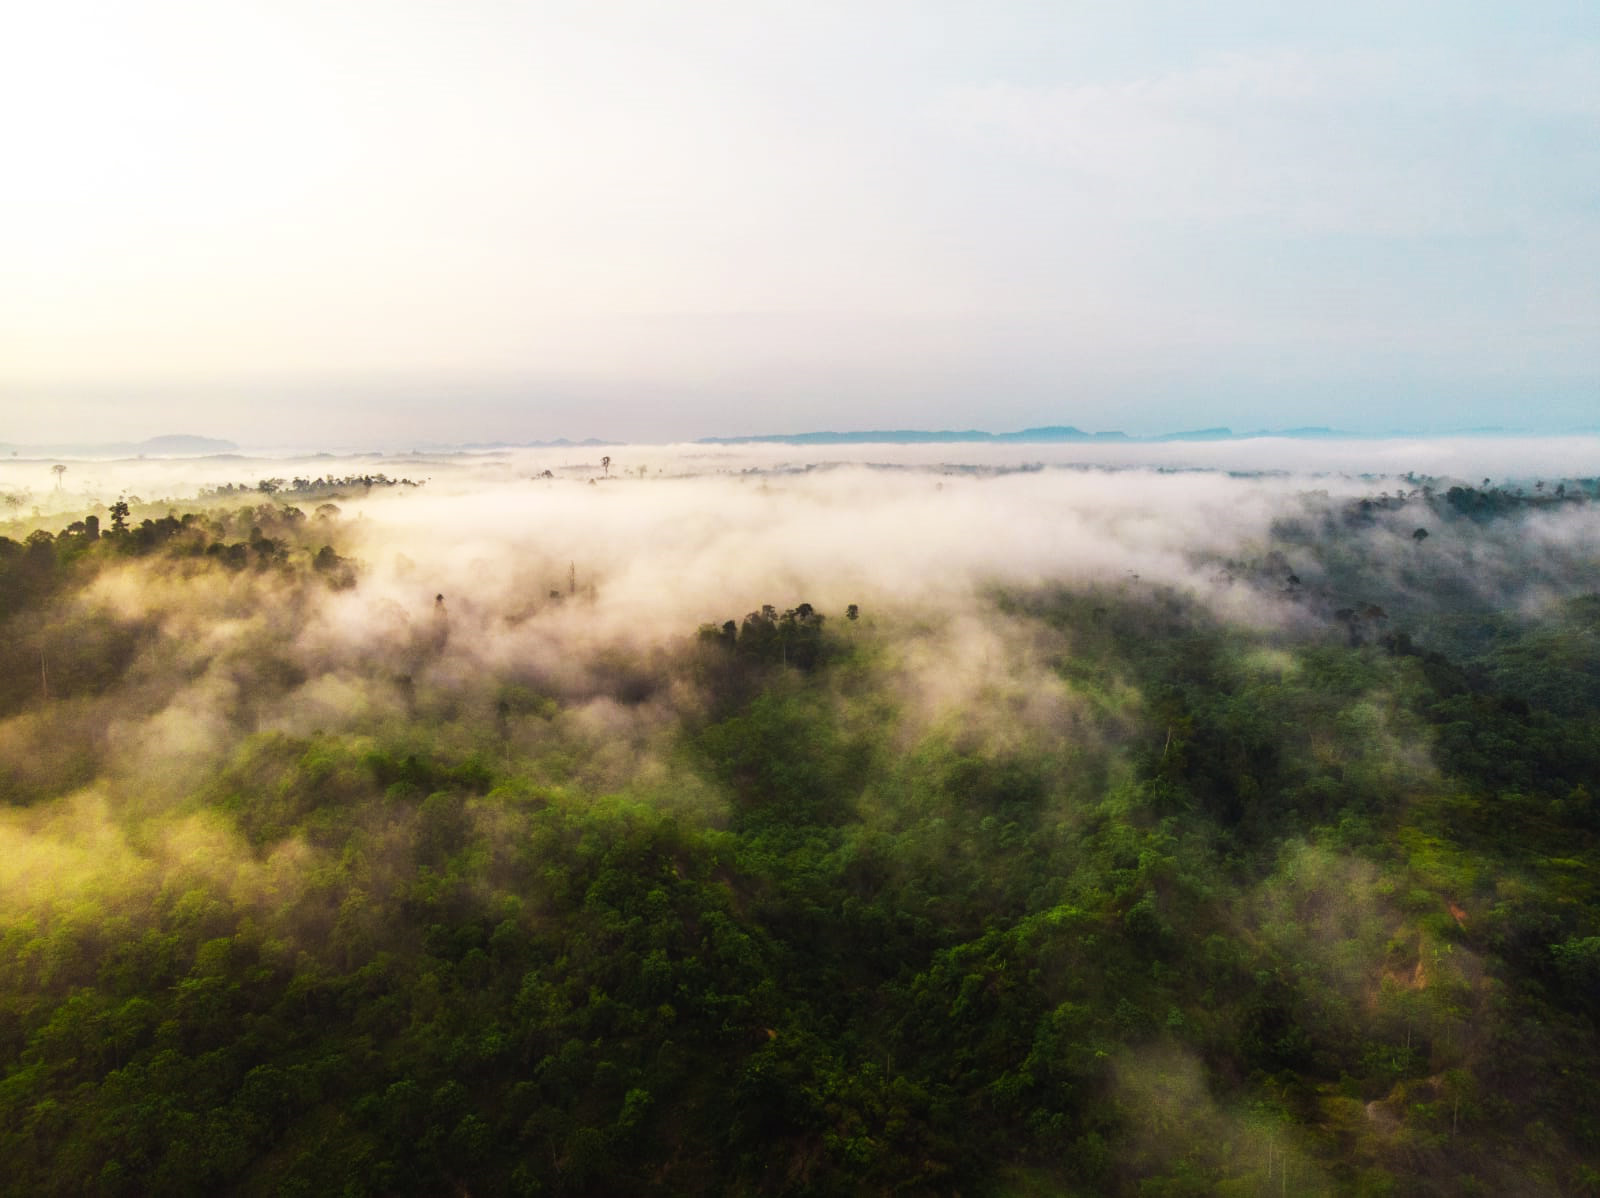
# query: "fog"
548, 622
558, 567
549, 564
671, 535
1462, 458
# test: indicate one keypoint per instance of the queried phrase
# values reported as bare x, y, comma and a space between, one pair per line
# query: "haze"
665, 537
314, 224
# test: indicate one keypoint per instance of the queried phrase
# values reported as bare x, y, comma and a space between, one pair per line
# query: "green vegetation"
1162, 904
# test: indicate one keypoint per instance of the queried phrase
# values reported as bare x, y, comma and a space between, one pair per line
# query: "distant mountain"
172, 445
180, 444
493, 446
1055, 432
875, 437
1306, 433
1050, 434
1198, 434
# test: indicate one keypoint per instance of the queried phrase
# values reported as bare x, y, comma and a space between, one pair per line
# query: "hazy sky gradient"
497, 220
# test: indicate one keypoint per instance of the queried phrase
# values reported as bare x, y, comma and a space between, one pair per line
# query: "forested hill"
1107, 887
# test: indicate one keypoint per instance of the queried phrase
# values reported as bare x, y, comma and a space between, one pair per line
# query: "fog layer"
1148, 810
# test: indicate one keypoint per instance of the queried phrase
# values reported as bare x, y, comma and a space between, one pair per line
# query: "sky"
339, 221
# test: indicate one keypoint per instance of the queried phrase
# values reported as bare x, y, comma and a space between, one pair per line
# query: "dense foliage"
1160, 904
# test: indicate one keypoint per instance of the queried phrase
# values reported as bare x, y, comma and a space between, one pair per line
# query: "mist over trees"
826, 832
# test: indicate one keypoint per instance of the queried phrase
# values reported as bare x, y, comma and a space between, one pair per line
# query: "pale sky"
489, 219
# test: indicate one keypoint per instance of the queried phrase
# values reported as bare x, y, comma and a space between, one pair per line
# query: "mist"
1192, 737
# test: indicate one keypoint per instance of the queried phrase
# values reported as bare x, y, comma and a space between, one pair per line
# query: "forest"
830, 831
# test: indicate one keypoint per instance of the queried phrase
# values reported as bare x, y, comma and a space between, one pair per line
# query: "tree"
1419, 535
119, 516
58, 470
606, 463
